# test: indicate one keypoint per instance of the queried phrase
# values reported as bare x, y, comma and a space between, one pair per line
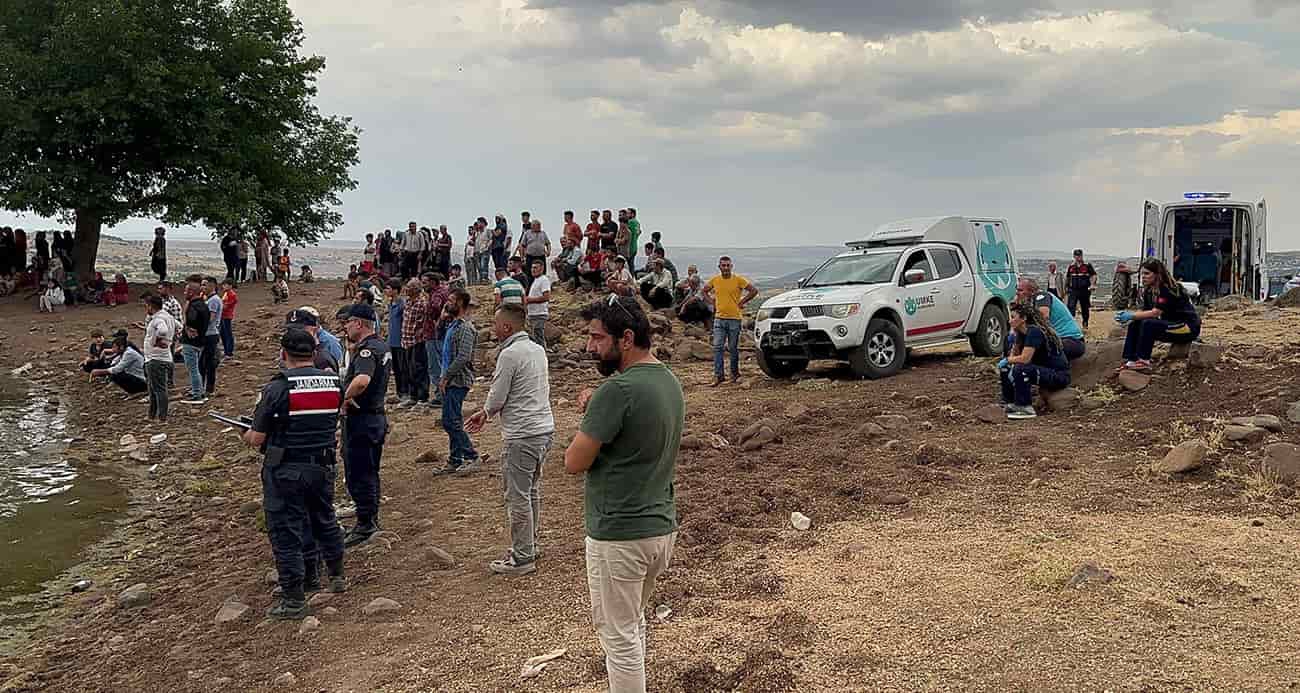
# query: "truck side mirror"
913, 276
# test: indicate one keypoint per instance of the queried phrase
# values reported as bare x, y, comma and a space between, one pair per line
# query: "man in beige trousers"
627, 446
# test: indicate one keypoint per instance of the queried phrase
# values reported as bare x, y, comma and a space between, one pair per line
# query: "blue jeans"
484, 259
1142, 336
726, 339
453, 422
227, 332
191, 356
433, 353
1019, 379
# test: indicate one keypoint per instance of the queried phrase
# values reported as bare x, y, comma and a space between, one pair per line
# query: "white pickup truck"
910, 284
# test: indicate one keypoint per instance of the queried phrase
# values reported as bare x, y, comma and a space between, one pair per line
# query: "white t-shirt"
540, 286
161, 326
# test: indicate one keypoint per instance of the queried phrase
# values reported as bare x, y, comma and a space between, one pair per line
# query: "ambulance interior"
1208, 243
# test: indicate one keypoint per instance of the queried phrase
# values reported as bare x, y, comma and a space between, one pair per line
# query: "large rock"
1134, 381
1232, 303
230, 612
1204, 355
1062, 400
659, 324
381, 605
892, 422
764, 436
1282, 462
698, 351
136, 595
991, 413
1290, 299
1179, 351
553, 334
285, 680
439, 559
1248, 435
309, 625
1185, 457
1095, 366
1266, 421
870, 431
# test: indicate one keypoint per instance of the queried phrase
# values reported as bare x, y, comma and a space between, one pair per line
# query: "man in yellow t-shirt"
730, 292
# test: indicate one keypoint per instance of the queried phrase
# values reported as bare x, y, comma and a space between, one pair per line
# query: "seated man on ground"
620, 282
127, 372
694, 306
280, 289
657, 286
1167, 315
590, 269
1055, 313
306, 275
566, 263
1037, 359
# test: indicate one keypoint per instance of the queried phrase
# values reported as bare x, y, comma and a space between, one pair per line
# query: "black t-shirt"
1174, 308
1046, 354
372, 359
197, 317
1079, 277
608, 232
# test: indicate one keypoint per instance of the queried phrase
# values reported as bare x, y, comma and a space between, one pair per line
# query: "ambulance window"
946, 262
918, 261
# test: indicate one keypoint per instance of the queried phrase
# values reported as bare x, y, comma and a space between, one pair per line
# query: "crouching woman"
1167, 315
1037, 359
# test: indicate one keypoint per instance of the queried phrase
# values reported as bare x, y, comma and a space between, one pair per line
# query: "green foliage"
184, 110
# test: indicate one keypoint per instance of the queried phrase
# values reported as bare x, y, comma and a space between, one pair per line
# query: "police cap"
361, 311
301, 318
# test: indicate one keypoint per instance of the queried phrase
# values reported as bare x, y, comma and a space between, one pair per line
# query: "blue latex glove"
1003, 364
1124, 316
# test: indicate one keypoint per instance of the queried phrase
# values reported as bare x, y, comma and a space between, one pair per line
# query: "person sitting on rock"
1167, 315
52, 299
657, 285
1055, 313
127, 371
694, 306
1037, 359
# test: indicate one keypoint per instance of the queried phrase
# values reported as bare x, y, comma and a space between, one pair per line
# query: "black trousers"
657, 298
298, 498
130, 383
398, 365
208, 362
1080, 301
363, 447
417, 373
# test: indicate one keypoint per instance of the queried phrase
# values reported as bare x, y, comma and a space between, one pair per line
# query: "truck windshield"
875, 268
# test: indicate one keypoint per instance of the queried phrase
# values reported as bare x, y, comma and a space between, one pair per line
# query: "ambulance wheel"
882, 353
991, 336
780, 369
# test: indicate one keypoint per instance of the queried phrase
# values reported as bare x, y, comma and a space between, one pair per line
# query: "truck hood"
821, 296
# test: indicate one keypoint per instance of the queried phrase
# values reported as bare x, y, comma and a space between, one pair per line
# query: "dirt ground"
944, 554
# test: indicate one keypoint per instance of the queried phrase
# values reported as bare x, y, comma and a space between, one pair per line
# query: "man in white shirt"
538, 302
159, 333
657, 285
483, 244
521, 395
620, 282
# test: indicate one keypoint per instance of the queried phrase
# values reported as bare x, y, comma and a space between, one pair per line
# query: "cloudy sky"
774, 122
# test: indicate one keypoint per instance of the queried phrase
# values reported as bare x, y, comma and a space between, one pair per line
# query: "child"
350, 286
306, 276
280, 289
456, 280
52, 297
282, 263
98, 350
229, 299
118, 293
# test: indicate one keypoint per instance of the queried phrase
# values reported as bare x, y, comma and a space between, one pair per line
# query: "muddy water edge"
59, 503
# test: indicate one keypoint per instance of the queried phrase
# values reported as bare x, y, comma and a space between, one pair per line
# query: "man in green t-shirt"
634, 228
627, 446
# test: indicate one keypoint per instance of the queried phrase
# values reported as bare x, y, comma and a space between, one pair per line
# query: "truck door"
957, 286
920, 302
1151, 245
1260, 255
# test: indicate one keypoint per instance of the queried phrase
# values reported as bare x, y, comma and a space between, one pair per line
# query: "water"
50, 508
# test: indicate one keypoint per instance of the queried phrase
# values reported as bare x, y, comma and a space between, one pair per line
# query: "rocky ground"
1137, 538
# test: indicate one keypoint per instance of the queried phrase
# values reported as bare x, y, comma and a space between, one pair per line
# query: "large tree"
190, 111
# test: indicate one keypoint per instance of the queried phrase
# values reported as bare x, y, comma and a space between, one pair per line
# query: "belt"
323, 458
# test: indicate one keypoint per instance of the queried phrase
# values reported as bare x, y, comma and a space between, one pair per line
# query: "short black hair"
395, 285
659, 252
462, 297
726, 258
366, 296
618, 320
155, 301
514, 312
298, 342
568, 212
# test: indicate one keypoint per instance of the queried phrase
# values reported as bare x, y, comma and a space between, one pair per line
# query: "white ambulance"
910, 284
1212, 242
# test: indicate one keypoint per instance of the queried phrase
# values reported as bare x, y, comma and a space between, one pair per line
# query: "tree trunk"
85, 248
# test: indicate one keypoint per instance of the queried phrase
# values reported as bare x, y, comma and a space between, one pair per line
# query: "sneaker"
195, 400
1017, 413
338, 584
449, 469
470, 467
288, 610
436, 403
508, 566
311, 584
407, 404
356, 538
1141, 365
716, 382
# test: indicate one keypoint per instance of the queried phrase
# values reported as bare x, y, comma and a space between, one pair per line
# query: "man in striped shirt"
507, 289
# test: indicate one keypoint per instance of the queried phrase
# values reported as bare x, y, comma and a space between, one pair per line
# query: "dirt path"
938, 559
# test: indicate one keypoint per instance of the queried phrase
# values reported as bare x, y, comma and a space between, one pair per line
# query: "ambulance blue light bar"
1206, 196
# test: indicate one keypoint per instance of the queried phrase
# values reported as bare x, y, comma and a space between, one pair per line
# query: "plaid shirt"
414, 315
459, 358
436, 301
171, 305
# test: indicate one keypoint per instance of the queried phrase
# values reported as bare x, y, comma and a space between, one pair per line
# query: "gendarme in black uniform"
298, 413
365, 426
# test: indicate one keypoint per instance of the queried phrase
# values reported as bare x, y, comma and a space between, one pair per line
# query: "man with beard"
458, 343
194, 337
364, 388
627, 447
212, 338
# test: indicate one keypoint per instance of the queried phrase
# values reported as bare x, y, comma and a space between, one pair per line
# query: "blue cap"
363, 311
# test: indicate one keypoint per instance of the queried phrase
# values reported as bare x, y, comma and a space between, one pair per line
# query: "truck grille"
778, 313
811, 311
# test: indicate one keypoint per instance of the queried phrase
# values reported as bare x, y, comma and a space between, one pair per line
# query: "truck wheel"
991, 336
882, 353
1120, 288
779, 369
